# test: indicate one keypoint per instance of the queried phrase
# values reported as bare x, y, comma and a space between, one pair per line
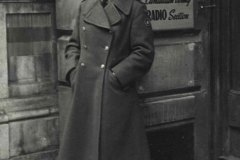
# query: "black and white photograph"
119, 80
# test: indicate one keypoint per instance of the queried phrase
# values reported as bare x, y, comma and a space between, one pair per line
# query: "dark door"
176, 92
227, 50
234, 90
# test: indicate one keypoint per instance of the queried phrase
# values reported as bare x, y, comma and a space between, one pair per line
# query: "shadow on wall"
172, 143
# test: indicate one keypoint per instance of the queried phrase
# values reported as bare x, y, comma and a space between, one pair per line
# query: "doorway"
176, 92
226, 78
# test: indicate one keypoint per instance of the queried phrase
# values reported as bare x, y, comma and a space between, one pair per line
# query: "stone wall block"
25, 69
4, 141
33, 136
3, 55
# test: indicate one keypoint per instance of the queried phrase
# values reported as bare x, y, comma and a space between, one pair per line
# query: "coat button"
85, 46
102, 66
84, 28
106, 48
82, 64
110, 31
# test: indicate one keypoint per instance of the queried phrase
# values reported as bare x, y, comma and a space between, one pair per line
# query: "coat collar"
124, 5
95, 14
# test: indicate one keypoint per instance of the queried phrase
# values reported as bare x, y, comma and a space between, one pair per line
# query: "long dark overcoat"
109, 50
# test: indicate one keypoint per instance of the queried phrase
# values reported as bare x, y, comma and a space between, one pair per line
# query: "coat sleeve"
141, 57
72, 51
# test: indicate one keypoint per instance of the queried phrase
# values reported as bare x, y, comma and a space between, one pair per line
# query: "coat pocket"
114, 81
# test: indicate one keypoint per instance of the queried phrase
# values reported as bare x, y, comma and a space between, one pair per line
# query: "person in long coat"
111, 47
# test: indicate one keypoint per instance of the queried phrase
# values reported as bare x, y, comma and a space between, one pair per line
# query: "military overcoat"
110, 49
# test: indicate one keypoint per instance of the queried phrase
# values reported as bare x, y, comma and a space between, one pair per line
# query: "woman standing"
110, 49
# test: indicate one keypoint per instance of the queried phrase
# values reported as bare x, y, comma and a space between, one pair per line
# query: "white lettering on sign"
170, 14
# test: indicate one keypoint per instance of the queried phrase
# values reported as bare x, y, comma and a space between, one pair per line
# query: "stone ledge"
21, 115
169, 110
19, 109
228, 158
49, 155
4, 141
18, 104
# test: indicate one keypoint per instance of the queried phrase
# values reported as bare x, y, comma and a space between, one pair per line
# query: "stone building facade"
190, 96
29, 125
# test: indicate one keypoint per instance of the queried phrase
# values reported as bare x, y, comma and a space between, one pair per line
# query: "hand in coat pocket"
113, 80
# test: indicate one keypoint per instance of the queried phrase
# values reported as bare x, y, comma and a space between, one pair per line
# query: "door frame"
220, 72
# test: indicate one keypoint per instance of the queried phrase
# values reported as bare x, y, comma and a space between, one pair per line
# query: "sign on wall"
170, 14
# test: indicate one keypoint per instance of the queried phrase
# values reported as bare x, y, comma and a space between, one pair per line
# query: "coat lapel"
95, 14
124, 5
112, 13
